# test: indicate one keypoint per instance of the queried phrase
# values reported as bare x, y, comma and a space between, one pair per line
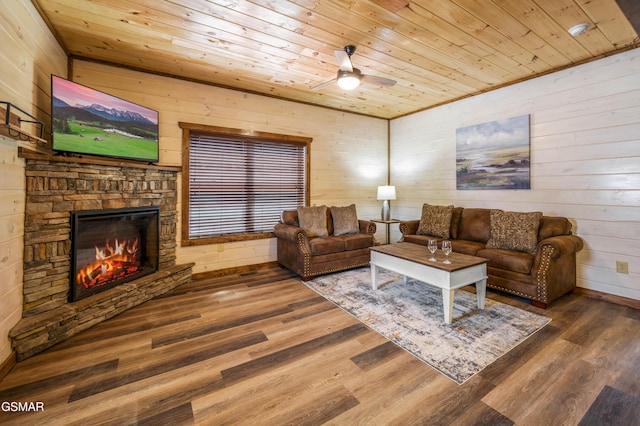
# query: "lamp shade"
386, 192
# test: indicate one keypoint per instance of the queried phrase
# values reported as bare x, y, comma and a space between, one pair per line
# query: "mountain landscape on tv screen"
103, 130
99, 113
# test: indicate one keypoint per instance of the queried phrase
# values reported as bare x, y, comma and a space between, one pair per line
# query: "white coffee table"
411, 260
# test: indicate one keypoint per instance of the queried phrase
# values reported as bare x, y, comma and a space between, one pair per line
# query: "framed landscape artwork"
494, 155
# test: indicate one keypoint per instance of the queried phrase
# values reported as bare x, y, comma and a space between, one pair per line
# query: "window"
236, 184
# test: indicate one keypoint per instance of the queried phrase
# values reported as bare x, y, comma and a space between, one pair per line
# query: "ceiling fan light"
349, 80
348, 83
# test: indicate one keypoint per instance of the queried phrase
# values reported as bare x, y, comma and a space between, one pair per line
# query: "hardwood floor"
261, 348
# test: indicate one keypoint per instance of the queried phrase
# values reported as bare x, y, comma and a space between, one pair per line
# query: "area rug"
411, 315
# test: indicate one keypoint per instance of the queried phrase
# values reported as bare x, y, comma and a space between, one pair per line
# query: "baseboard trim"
234, 270
7, 365
618, 300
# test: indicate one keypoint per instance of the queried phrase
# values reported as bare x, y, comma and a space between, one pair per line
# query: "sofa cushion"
435, 221
514, 230
516, 261
456, 217
345, 220
466, 247
553, 227
290, 217
313, 220
475, 225
326, 245
417, 239
329, 222
356, 241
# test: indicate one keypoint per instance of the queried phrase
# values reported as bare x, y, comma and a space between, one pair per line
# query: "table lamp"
386, 193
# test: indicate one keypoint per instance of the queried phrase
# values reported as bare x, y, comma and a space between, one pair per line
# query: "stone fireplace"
61, 194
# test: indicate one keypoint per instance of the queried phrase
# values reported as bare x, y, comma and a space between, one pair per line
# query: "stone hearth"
56, 186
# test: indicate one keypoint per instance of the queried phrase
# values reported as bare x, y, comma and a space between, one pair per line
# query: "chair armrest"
367, 227
409, 227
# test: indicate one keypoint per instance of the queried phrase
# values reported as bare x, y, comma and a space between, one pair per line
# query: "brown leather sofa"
309, 256
542, 275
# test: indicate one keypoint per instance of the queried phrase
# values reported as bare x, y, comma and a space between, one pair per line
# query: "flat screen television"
88, 121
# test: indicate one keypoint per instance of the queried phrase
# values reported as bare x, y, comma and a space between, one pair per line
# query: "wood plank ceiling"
437, 50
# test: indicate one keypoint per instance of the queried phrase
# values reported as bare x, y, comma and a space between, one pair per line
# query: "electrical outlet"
622, 267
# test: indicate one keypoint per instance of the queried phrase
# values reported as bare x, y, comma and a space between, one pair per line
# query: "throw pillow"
345, 220
313, 220
435, 221
514, 230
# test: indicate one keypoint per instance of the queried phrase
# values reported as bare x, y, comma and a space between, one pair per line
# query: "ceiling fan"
348, 77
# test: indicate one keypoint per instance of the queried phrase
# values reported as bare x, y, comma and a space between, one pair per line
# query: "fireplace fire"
112, 247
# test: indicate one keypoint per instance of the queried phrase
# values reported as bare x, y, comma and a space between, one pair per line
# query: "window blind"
241, 186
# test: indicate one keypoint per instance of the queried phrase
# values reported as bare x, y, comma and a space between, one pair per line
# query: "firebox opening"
112, 247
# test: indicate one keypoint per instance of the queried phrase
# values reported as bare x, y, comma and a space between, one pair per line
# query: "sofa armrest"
367, 227
290, 233
554, 267
561, 245
409, 227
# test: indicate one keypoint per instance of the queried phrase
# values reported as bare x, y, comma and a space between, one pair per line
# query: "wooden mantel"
99, 161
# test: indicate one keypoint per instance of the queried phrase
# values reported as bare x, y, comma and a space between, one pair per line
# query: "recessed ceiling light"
576, 30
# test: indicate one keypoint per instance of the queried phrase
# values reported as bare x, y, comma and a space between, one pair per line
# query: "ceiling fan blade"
380, 81
322, 85
344, 61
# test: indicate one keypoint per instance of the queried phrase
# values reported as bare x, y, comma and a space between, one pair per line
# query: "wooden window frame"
238, 134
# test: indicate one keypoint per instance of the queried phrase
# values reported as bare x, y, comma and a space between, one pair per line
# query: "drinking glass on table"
433, 246
446, 248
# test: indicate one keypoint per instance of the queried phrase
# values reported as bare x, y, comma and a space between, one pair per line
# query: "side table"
387, 223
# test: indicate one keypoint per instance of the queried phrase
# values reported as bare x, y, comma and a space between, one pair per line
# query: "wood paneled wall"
585, 160
29, 55
585, 124
348, 152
